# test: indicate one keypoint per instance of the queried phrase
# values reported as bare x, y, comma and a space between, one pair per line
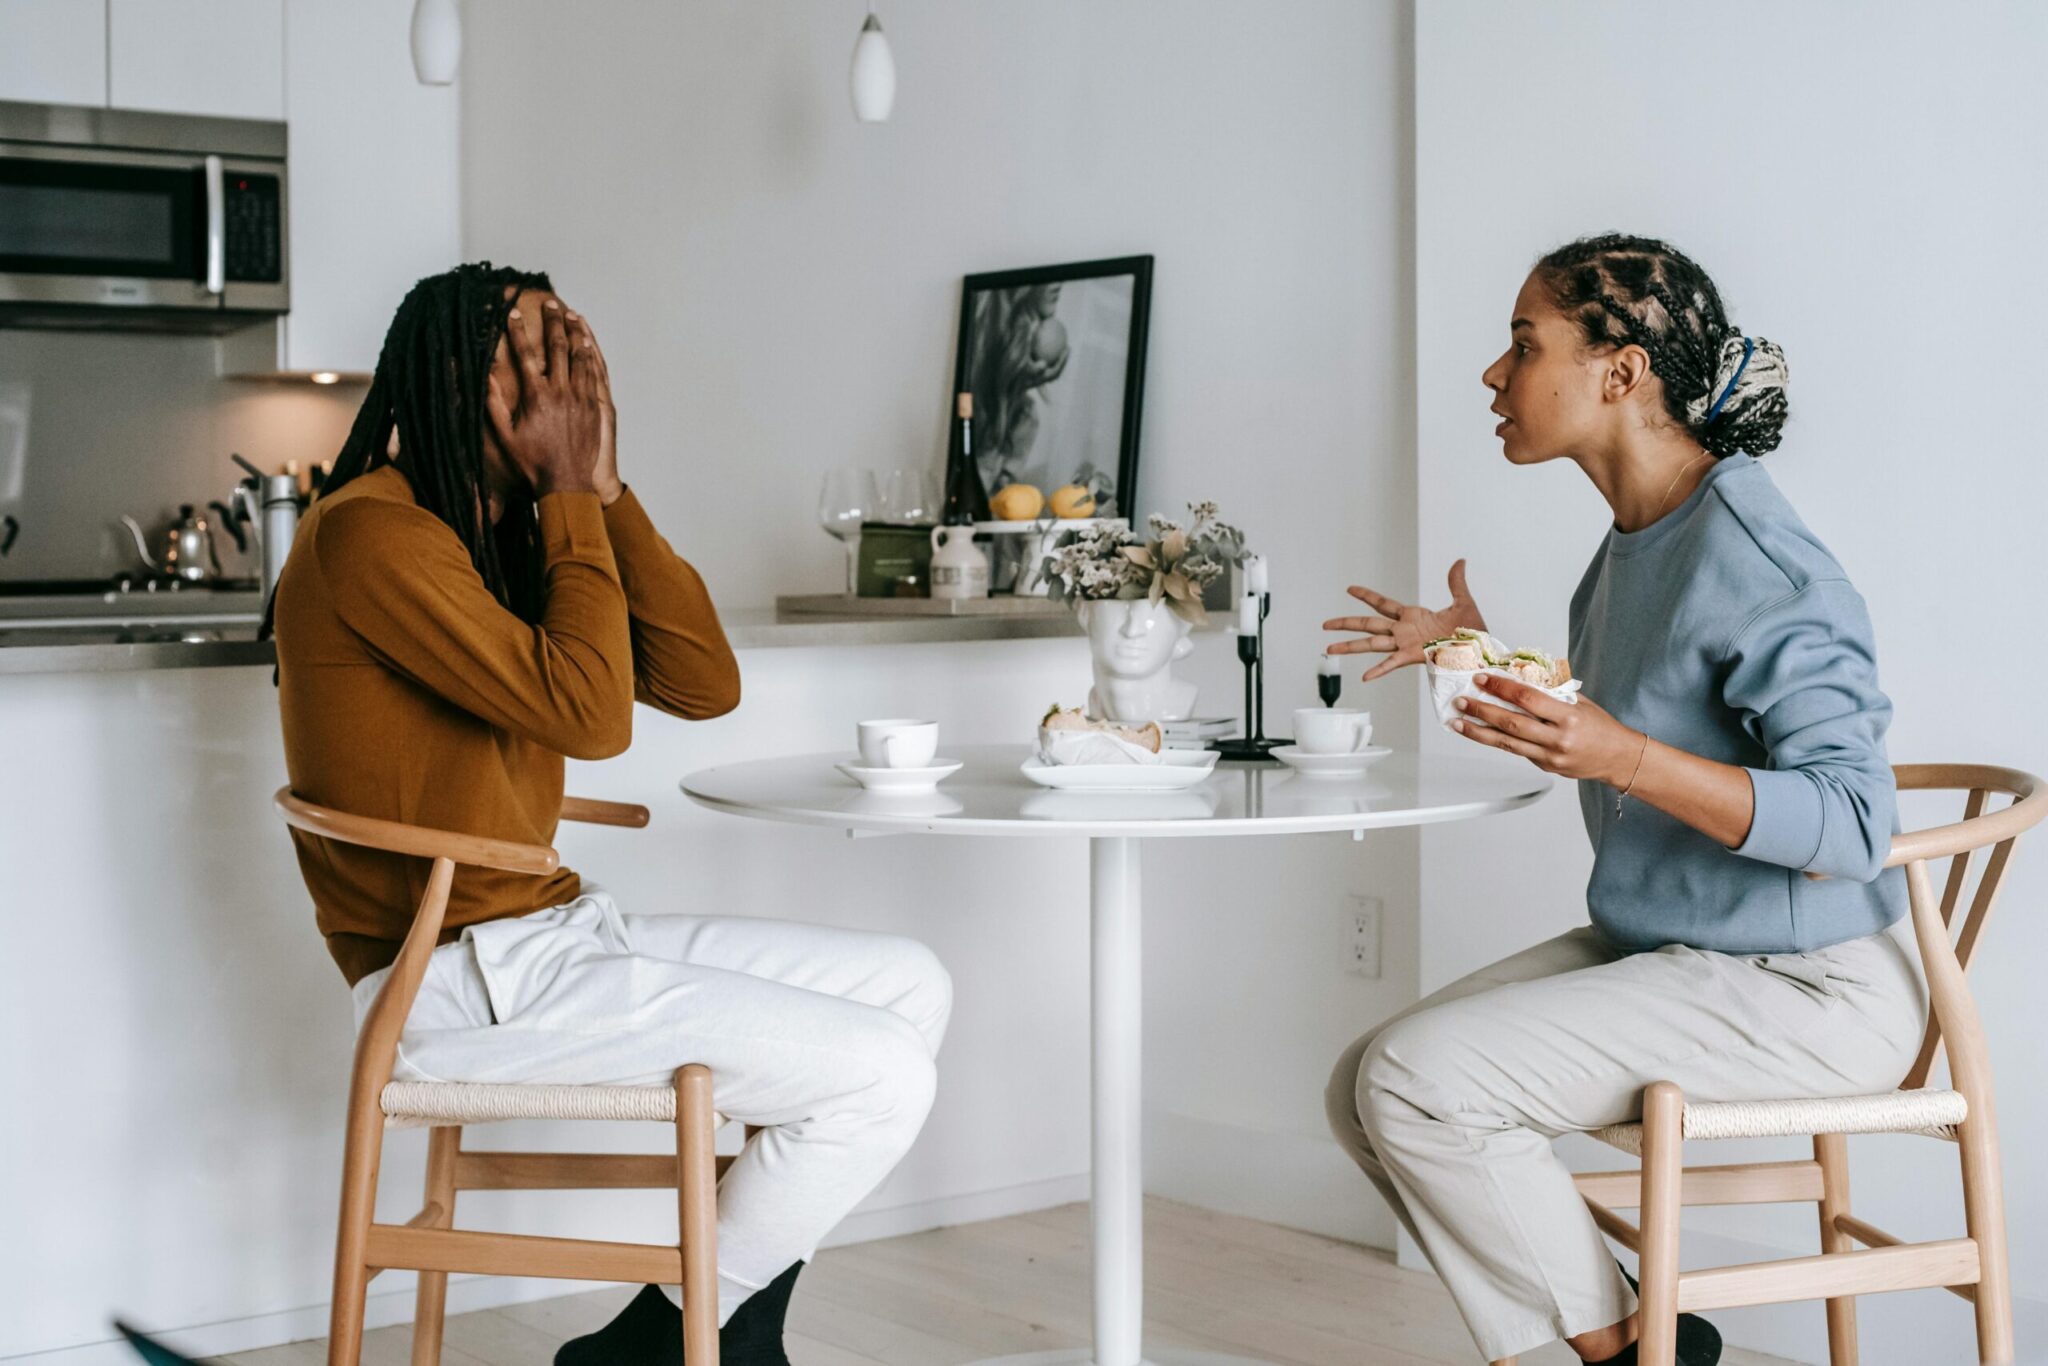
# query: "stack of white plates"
1195, 732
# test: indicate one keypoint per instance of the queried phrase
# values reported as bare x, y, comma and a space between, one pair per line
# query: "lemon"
1016, 502
1072, 501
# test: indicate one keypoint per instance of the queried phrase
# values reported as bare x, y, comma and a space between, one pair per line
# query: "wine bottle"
966, 495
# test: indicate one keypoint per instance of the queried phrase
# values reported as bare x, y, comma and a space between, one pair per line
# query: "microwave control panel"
255, 228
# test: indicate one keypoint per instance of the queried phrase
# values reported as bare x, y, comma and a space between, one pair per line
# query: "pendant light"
436, 41
874, 73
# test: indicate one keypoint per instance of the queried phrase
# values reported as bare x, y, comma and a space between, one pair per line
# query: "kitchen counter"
232, 644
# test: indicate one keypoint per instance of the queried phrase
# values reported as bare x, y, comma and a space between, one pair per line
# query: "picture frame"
1055, 359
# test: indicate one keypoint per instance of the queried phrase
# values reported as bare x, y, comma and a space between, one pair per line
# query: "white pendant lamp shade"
874, 74
436, 41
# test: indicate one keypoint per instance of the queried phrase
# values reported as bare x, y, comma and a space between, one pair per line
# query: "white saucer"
1177, 768
901, 779
1329, 765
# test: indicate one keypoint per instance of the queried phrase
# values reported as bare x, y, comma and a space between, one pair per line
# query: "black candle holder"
1254, 746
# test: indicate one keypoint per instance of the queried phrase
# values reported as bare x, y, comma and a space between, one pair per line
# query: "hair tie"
1748, 350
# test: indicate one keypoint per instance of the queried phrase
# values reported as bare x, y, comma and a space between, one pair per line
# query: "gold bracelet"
1633, 776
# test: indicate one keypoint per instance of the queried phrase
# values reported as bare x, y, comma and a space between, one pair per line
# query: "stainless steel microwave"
117, 218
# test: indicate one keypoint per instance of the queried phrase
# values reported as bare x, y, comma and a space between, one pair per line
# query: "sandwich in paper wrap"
1456, 660
1066, 736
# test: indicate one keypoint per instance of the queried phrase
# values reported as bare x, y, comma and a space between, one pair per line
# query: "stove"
69, 610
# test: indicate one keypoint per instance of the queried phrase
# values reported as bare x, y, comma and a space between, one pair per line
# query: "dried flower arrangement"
1175, 563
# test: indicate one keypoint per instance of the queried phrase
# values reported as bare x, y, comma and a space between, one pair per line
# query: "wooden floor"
956, 1295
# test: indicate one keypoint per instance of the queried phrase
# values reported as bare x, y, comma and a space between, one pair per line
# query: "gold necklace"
1674, 483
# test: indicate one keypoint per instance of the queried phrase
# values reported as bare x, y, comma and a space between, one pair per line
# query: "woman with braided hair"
475, 596
1729, 747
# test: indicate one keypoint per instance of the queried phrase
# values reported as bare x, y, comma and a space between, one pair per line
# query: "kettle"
188, 551
270, 504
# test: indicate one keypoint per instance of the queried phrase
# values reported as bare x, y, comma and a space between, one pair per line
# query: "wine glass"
906, 496
846, 500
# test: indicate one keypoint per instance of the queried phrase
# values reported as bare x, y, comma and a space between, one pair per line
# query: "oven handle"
216, 229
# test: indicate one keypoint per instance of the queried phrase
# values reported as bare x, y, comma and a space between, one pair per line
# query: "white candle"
1255, 574
1248, 615
1328, 664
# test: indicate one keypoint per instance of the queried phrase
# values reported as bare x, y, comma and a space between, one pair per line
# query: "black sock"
753, 1335
1699, 1342
649, 1331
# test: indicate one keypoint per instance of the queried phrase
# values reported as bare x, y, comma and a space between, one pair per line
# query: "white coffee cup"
1332, 730
898, 743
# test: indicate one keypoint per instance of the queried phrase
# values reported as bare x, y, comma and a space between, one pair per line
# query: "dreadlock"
429, 388
1726, 389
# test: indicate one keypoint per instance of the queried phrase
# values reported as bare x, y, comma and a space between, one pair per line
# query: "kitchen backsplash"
95, 424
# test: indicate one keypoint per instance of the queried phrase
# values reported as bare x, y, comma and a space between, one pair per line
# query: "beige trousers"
1450, 1107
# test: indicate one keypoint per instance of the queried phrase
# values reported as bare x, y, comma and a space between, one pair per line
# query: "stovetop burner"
126, 584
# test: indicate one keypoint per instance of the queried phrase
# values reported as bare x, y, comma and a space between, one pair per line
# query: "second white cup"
1332, 730
898, 743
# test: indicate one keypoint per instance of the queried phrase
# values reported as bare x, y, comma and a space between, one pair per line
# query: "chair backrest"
1948, 943
377, 1043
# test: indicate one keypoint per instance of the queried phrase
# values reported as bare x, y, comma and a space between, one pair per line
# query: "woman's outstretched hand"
1401, 629
1572, 740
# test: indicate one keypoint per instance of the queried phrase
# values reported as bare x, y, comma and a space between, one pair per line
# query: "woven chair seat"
1933, 1113
415, 1104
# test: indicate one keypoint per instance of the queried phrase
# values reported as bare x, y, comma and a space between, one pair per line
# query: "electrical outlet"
1362, 936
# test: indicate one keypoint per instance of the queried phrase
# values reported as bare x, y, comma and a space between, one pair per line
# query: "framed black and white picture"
1055, 359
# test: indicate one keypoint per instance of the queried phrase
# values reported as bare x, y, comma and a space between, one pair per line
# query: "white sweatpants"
1450, 1107
826, 1037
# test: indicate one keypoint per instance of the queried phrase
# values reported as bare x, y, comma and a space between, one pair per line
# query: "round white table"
990, 797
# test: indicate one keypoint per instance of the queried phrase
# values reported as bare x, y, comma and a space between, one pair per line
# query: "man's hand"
553, 429
606, 471
1402, 629
1572, 740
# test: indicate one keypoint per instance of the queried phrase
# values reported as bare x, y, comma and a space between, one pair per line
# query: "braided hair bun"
1745, 409
1727, 390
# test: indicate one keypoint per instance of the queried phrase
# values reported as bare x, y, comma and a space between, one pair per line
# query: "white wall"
777, 286
1863, 181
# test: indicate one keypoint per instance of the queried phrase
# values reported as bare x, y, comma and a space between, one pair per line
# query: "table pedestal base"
1118, 1207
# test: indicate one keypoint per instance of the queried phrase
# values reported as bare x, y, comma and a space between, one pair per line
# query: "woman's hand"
606, 472
553, 429
1572, 740
1402, 629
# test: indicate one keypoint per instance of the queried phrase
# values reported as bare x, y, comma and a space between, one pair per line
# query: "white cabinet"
53, 51
223, 57
375, 187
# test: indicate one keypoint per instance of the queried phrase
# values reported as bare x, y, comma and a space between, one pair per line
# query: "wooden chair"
1973, 1267
428, 1242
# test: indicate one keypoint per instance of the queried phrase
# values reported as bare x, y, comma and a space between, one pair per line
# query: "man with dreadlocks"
474, 596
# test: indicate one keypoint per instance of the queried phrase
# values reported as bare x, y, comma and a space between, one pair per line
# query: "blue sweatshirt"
1726, 629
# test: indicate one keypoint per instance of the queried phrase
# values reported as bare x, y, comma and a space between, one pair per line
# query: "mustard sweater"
410, 694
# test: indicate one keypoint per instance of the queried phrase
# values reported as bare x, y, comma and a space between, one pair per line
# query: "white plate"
1329, 765
1177, 768
1191, 725
900, 779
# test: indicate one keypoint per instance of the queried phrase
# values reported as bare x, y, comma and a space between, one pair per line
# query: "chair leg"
1832, 1152
443, 1145
697, 1194
1663, 1183
1984, 1213
362, 1150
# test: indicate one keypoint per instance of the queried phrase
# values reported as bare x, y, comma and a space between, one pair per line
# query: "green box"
889, 552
